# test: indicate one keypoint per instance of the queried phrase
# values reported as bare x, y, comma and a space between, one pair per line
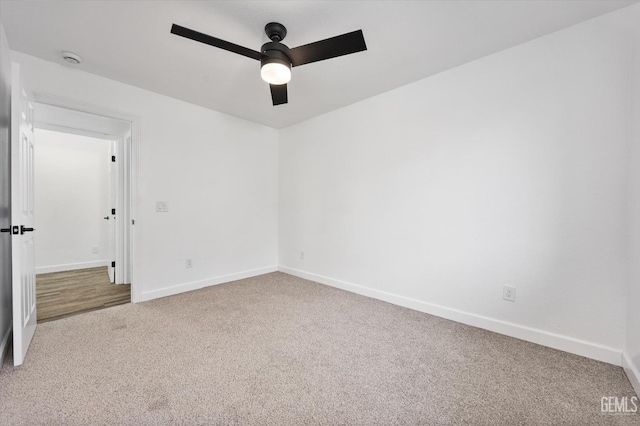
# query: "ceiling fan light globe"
275, 73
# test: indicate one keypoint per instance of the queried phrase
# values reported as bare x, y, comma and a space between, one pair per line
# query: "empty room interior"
320, 212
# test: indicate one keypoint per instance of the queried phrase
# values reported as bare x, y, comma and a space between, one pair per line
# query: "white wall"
632, 349
218, 174
5, 211
510, 170
71, 199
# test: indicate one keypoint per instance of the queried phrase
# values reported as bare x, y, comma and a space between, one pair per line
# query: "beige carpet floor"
279, 350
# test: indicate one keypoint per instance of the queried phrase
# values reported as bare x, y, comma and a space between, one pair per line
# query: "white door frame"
131, 164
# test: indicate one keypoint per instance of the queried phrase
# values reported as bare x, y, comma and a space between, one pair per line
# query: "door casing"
129, 167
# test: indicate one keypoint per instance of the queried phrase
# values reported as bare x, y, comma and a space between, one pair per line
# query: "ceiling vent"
71, 57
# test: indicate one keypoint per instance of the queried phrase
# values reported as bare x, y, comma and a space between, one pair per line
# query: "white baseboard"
633, 372
195, 285
541, 337
4, 344
71, 266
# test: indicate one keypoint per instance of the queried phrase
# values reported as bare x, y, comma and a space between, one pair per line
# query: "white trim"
632, 372
541, 337
71, 266
131, 215
4, 345
74, 131
72, 104
195, 285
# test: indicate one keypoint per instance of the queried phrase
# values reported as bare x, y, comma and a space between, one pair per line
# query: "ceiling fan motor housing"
275, 52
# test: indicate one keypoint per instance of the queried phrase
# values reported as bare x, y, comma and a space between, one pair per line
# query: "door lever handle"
5, 230
106, 218
23, 229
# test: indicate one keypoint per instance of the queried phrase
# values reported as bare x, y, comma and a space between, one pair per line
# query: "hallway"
63, 294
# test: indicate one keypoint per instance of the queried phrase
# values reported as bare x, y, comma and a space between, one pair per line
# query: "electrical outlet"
188, 263
162, 206
95, 250
301, 255
509, 293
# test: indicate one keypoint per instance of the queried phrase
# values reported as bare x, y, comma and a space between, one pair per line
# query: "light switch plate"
162, 206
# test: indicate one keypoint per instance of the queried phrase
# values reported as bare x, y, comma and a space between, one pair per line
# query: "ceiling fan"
276, 59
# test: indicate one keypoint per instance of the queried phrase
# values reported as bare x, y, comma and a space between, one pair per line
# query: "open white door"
22, 206
112, 180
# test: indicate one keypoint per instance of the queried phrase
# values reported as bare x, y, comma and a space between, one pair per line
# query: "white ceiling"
129, 41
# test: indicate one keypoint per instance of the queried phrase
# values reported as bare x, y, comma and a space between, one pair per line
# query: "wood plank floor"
63, 294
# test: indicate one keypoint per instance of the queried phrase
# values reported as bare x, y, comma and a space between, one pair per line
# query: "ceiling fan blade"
329, 48
216, 42
278, 94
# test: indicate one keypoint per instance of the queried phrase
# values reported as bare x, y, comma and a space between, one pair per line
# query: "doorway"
82, 174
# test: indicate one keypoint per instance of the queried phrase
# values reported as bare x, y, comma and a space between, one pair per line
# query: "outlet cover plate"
509, 293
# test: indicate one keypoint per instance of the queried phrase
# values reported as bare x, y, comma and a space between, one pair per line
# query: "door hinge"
113, 264
113, 158
113, 211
